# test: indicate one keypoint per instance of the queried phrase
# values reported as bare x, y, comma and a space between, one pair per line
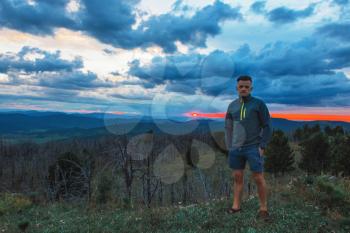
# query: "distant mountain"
66, 125
22, 123
32, 112
288, 126
49, 113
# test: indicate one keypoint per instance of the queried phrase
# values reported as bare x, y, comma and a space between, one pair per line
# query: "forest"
152, 170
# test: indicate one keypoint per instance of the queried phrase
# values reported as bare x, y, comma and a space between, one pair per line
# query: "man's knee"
238, 176
259, 178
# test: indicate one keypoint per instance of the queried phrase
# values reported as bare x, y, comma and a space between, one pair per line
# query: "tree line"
320, 151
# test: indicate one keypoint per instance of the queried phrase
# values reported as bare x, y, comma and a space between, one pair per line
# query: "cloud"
341, 2
111, 22
184, 67
66, 99
40, 18
179, 6
45, 62
109, 52
54, 95
164, 30
311, 90
188, 73
185, 73
72, 80
337, 30
134, 94
283, 15
75, 80
305, 57
283, 72
309, 56
33, 66
258, 7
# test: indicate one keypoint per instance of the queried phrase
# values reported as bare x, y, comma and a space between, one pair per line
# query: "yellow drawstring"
242, 106
243, 110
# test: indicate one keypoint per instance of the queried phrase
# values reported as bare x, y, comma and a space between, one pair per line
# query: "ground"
290, 213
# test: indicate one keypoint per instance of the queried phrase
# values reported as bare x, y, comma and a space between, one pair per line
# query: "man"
247, 133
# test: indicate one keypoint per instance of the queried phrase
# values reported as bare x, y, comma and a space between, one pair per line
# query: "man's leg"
237, 188
237, 164
260, 182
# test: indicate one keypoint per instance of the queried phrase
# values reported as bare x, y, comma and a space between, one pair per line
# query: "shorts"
239, 155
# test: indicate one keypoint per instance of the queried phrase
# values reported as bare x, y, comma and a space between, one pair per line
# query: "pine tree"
279, 155
334, 131
339, 153
314, 152
306, 132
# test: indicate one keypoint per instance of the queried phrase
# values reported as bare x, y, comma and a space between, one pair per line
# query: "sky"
174, 58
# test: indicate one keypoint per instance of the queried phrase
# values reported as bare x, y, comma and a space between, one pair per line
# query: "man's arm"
228, 128
265, 123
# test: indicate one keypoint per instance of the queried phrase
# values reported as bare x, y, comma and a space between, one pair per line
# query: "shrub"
327, 192
279, 155
13, 202
332, 195
315, 158
104, 187
339, 152
65, 177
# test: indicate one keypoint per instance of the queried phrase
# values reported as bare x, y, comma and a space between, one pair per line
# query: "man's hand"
261, 151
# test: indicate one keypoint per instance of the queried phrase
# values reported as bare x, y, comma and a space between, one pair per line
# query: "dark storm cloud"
164, 30
169, 68
48, 70
283, 72
282, 15
311, 90
72, 80
55, 95
47, 62
306, 57
111, 22
39, 19
336, 30
75, 80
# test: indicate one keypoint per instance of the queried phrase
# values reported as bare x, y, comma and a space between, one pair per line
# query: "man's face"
244, 87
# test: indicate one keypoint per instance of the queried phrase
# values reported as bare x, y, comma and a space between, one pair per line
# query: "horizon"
201, 115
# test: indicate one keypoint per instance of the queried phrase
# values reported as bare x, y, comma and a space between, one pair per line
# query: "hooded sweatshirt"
247, 122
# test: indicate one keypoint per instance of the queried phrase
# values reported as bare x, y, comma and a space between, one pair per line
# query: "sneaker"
232, 210
264, 215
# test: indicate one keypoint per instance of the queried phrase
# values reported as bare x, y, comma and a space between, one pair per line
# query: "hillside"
47, 126
292, 206
22, 123
32, 121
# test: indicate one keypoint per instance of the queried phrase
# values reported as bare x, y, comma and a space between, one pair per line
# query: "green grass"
290, 214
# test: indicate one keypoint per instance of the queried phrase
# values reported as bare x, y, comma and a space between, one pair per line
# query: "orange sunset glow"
288, 116
311, 117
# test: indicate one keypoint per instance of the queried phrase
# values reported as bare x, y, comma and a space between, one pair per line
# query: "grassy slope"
291, 213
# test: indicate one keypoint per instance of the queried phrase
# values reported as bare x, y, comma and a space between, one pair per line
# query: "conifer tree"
339, 153
314, 154
279, 155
